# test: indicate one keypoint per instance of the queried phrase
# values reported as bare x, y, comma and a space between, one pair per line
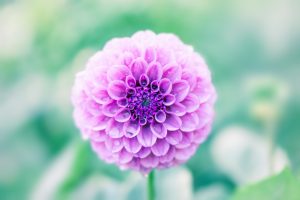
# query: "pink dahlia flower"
144, 102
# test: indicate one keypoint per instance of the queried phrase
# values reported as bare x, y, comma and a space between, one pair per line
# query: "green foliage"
284, 186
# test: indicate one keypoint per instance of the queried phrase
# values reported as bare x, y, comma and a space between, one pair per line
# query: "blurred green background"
251, 47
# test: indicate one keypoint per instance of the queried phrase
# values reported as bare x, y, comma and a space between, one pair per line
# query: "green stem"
150, 186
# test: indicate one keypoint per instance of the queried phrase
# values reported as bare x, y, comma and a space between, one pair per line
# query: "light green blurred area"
251, 47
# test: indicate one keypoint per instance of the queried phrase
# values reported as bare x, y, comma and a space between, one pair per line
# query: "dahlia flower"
144, 101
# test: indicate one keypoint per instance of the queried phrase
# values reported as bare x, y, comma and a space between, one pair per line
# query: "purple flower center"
144, 103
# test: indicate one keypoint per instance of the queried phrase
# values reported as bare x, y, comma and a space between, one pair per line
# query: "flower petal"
172, 72
150, 161
180, 89
177, 109
186, 141
158, 129
186, 153
172, 122
169, 156
132, 145
117, 72
154, 71
131, 129
190, 122
130, 81
160, 116
160, 147
144, 152
114, 144
123, 115
174, 137
150, 55
191, 103
146, 137
165, 86
169, 99
138, 67
114, 129
116, 89
124, 156
100, 96
110, 109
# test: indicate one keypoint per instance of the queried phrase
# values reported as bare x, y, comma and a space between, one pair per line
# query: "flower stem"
150, 186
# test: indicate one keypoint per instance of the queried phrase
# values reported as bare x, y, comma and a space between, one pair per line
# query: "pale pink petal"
150, 55
177, 109
123, 115
172, 122
172, 72
150, 161
174, 137
110, 109
160, 147
100, 95
187, 139
114, 129
169, 156
154, 71
144, 152
180, 89
138, 67
124, 156
191, 103
114, 144
190, 122
158, 129
117, 72
131, 129
132, 145
146, 137
116, 89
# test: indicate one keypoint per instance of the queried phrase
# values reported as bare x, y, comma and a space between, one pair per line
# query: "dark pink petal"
122, 102
144, 80
154, 86
190, 122
146, 137
180, 89
158, 129
131, 129
110, 109
154, 71
172, 72
138, 67
169, 99
124, 156
144, 152
177, 109
173, 122
116, 89
150, 55
130, 81
160, 116
165, 86
150, 161
114, 129
174, 137
100, 96
114, 144
169, 156
123, 115
132, 145
118, 72
160, 147
191, 103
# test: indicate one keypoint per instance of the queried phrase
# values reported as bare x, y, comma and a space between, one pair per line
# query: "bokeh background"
252, 48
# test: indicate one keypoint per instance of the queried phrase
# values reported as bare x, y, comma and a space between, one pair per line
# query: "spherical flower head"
144, 102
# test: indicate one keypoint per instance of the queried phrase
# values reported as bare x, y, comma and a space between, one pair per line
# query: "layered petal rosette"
144, 102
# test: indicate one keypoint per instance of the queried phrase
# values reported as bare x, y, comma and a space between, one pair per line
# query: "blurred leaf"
282, 186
